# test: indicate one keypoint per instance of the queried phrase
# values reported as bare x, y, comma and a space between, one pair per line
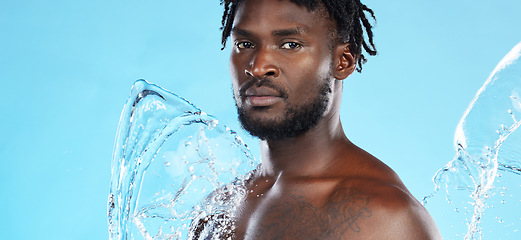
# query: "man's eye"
242, 45
291, 45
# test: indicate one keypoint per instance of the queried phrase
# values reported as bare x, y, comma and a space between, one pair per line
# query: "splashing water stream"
172, 164
482, 182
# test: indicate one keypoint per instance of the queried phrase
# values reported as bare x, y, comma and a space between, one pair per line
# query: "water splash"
482, 182
172, 164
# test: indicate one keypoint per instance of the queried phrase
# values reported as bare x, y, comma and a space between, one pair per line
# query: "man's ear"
345, 61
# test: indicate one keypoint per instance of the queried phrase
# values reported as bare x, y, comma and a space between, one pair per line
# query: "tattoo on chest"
300, 219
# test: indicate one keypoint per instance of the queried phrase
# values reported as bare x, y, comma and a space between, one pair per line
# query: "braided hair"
349, 16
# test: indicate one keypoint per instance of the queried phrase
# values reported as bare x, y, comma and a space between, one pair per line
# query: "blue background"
67, 68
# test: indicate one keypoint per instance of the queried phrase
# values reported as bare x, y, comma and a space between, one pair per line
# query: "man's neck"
312, 154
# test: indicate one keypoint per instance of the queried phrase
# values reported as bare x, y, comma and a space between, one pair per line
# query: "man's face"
281, 67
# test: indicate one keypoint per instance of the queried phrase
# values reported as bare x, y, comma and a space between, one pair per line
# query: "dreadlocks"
349, 16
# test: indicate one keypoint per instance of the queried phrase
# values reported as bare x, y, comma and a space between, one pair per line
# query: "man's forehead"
287, 15
311, 6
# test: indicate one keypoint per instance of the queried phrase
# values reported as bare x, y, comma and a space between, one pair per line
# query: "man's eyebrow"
277, 33
241, 32
289, 32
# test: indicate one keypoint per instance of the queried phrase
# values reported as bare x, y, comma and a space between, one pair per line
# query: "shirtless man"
288, 62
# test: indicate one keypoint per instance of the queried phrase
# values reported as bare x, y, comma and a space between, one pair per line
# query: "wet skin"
317, 185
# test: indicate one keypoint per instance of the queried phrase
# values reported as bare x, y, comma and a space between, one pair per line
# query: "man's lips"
262, 101
261, 96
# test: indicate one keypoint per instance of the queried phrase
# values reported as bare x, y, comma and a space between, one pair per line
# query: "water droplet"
212, 124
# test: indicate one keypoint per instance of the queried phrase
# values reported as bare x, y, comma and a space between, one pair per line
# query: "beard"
297, 119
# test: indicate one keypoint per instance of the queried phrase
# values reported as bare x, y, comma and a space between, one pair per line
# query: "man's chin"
261, 117
263, 128
277, 124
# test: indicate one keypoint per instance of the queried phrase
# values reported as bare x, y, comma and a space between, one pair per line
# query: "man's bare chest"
301, 215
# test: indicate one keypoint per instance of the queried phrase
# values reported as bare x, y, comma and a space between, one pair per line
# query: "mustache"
267, 82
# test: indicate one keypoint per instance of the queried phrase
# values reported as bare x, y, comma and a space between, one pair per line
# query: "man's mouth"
262, 101
261, 96
261, 93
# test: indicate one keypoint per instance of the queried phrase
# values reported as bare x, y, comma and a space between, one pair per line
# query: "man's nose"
263, 65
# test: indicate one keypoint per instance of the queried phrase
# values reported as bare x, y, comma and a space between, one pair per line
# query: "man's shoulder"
381, 210
384, 193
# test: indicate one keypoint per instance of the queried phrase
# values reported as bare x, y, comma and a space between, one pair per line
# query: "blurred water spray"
482, 183
172, 164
